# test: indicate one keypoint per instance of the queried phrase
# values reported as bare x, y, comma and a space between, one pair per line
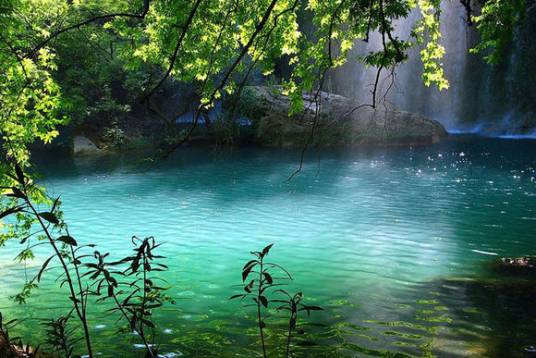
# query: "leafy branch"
133, 291
294, 305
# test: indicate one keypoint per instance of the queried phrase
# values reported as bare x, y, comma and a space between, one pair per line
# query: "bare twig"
317, 94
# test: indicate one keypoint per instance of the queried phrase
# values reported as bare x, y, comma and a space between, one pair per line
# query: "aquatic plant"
6, 345
257, 289
293, 305
58, 335
64, 246
133, 291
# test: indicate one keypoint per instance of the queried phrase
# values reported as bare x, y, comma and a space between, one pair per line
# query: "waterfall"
481, 99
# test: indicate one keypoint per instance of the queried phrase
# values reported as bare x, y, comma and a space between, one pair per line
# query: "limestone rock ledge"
341, 121
84, 146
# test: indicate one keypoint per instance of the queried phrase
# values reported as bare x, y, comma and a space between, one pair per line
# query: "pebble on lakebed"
527, 261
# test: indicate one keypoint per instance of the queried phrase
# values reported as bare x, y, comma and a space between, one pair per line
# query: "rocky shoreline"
261, 117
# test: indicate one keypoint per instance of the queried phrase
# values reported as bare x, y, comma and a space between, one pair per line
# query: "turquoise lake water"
394, 244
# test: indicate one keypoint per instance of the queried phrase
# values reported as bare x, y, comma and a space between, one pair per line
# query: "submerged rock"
491, 316
341, 121
527, 262
83, 146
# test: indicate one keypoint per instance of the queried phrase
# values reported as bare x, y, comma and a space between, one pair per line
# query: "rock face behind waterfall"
341, 122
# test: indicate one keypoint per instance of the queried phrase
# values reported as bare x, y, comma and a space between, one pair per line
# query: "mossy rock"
340, 121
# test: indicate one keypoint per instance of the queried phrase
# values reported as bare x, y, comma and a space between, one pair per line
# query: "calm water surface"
393, 243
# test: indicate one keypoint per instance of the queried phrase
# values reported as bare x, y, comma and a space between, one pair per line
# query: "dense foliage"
69, 60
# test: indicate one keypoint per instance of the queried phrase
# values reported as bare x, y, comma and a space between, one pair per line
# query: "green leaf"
266, 249
314, 308
17, 193
248, 287
264, 301
50, 217
67, 240
236, 296
45, 264
268, 277
147, 323
246, 272
252, 262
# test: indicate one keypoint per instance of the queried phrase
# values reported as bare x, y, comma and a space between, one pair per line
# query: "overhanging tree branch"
175, 53
260, 26
105, 17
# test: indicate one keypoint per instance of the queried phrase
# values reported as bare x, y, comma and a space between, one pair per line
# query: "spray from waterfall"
481, 98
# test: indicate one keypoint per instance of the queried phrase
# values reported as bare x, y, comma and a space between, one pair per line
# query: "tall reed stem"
78, 300
259, 317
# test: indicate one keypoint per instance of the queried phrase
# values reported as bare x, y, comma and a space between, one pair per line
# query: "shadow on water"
456, 317
486, 152
221, 171
493, 315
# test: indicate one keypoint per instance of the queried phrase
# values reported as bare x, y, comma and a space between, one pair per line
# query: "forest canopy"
49, 47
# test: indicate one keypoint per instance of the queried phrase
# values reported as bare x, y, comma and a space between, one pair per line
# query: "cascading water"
491, 100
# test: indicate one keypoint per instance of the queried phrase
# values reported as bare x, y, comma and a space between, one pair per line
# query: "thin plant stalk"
143, 304
259, 317
258, 287
289, 338
124, 314
294, 305
79, 305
